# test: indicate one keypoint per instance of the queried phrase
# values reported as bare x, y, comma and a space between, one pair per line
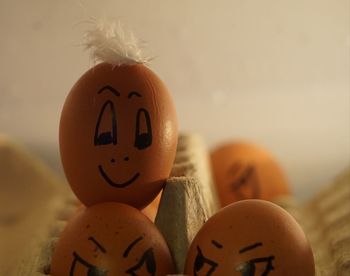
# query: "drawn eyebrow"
250, 247
109, 88
97, 244
134, 93
128, 249
217, 244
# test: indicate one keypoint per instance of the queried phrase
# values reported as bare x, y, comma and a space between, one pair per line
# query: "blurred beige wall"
275, 72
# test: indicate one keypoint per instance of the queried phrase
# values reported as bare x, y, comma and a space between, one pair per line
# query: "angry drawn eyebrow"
217, 244
128, 249
97, 244
110, 89
250, 247
134, 93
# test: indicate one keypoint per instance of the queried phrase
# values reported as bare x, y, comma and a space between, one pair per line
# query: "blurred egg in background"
242, 170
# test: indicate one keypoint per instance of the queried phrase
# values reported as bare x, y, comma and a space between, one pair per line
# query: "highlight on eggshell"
118, 129
245, 171
111, 239
250, 237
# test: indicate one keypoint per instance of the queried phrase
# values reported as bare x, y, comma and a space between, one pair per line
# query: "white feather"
109, 42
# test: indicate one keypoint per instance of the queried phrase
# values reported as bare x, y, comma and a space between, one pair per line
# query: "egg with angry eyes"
250, 238
245, 171
111, 239
118, 135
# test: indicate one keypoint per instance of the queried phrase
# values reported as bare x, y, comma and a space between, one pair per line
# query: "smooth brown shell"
151, 210
112, 237
118, 135
245, 232
245, 171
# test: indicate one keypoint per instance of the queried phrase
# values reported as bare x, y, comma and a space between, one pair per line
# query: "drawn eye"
143, 134
248, 268
200, 262
79, 265
106, 127
148, 260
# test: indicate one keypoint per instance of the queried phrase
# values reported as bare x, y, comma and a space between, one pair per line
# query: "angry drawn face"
250, 238
244, 171
111, 239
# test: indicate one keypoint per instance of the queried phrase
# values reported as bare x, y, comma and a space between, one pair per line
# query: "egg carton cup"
189, 199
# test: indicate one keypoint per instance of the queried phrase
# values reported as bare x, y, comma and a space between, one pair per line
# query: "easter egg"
250, 237
246, 171
118, 135
111, 239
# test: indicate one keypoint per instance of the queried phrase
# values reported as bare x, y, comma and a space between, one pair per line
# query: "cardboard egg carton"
32, 197
189, 199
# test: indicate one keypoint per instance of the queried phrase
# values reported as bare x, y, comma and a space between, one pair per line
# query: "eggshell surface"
250, 237
111, 239
246, 171
151, 210
118, 135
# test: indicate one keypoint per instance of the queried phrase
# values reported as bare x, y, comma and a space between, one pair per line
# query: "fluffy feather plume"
109, 42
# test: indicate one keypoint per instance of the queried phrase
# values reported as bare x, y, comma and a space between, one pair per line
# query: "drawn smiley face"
245, 171
96, 242
118, 135
250, 238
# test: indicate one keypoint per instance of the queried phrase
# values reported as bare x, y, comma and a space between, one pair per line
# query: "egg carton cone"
187, 201
189, 197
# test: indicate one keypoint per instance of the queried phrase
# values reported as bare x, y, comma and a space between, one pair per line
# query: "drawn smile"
117, 185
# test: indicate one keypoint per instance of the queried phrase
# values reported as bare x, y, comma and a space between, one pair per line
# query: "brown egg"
111, 239
151, 210
118, 135
250, 237
245, 171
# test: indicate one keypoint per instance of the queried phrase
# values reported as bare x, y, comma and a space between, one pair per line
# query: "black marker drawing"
134, 94
248, 268
110, 136
250, 247
131, 245
109, 88
98, 245
217, 244
149, 260
242, 181
143, 139
200, 261
115, 184
92, 270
